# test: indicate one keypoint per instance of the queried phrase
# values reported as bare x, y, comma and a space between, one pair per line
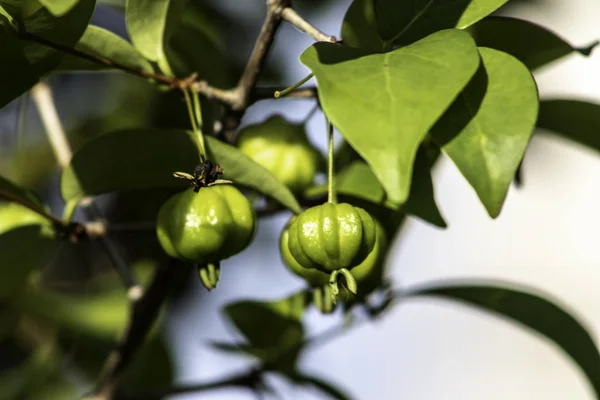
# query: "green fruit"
282, 148
368, 273
206, 227
314, 277
332, 237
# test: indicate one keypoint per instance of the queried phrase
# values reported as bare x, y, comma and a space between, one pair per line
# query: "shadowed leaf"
532, 44
163, 153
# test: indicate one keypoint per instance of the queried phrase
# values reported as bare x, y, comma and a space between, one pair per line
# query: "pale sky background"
546, 237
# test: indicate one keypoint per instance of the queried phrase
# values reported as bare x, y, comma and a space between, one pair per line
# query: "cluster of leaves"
411, 81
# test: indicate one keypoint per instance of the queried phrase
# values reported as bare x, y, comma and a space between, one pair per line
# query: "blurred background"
545, 237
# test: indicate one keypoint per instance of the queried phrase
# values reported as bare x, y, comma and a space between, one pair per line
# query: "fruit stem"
198, 113
281, 93
193, 107
331, 195
323, 299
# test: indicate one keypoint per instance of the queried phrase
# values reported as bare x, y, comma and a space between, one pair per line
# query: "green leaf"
384, 104
59, 7
573, 119
477, 10
487, 129
377, 24
65, 30
17, 75
25, 246
534, 45
536, 311
104, 44
273, 329
150, 24
164, 152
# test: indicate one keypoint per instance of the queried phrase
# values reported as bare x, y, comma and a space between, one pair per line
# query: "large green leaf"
377, 24
273, 329
574, 119
146, 158
104, 44
65, 30
531, 309
150, 24
17, 76
534, 45
384, 104
487, 129
59, 7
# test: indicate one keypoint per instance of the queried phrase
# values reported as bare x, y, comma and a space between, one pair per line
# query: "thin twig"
267, 93
143, 315
291, 16
43, 100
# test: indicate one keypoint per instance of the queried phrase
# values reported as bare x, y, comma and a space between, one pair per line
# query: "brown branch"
167, 80
291, 16
203, 88
243, 92
144, 313
257, 59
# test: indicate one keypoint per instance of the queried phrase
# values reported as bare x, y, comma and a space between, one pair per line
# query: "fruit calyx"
205, 174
